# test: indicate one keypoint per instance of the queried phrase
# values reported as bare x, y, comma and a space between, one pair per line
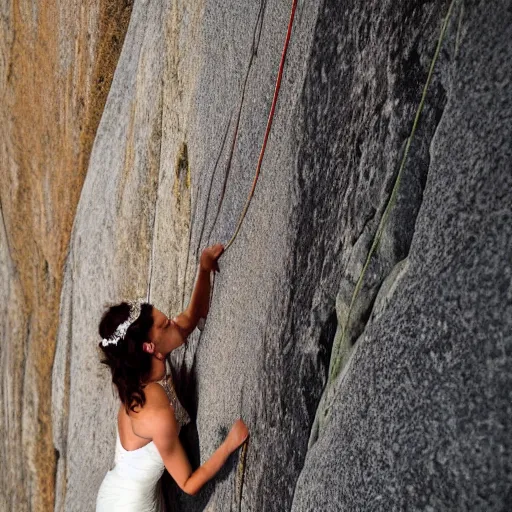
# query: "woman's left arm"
200, 301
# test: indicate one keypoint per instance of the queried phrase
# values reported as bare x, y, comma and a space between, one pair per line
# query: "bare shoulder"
156, 415
155, 396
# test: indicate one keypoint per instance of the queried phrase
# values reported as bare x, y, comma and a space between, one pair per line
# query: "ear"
148, 347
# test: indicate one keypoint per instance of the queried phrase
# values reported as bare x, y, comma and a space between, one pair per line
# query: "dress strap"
180, 412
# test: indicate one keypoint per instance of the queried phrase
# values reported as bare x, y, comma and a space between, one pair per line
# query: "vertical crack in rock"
253, 53
157, 134
398, 232
61, 386
388, 264
209, 188
8, 245
181, 186
325, 344
350, 154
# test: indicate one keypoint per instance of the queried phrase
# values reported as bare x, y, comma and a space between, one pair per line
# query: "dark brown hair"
129, 364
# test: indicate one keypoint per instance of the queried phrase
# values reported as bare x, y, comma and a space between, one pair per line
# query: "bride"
136, 338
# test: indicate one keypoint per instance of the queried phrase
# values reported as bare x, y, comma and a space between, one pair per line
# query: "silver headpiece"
135, 307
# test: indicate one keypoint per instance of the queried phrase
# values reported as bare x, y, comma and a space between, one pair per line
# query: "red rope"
269, 122
242, 460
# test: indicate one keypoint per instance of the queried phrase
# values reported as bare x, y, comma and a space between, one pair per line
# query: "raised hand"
209, 257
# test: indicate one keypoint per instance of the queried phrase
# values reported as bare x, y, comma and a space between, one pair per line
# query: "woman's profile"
136, 338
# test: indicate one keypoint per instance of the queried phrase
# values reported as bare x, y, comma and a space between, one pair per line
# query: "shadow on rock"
175, 499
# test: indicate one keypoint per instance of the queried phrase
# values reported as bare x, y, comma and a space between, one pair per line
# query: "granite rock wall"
408, 406
418, 416
56, 65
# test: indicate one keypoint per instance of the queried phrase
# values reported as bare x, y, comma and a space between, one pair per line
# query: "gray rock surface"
421, 415
421, 397
109, 258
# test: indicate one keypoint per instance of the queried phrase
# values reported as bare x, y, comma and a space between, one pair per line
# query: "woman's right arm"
165, 437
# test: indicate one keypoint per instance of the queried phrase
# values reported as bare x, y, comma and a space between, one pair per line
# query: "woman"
137, 337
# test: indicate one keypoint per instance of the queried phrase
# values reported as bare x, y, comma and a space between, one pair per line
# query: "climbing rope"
336, 365
391, 202
254, 50
243, 451
269, 125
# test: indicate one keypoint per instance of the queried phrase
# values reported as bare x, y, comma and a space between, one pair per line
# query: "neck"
157, 369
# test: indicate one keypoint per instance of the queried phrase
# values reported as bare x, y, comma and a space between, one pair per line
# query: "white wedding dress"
133, 485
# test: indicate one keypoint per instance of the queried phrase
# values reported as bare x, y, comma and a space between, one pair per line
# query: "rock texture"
114, 242
419, 417
409, 409
56, 64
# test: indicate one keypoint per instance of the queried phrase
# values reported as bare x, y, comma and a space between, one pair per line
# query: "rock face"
56, 64
419, 416
402, 404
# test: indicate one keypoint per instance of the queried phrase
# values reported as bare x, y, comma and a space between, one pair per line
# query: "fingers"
219, 249
215, 248
211, 254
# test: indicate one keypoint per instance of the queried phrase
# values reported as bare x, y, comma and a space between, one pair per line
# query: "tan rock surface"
56, 64
134, 208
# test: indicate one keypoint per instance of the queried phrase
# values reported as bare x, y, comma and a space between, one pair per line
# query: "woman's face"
165, 335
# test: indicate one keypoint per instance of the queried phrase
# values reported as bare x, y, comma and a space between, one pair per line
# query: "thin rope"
336, 365
269, 125
254, 51
192, 221
243, 455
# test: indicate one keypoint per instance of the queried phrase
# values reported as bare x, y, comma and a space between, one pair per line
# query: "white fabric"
133, 485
